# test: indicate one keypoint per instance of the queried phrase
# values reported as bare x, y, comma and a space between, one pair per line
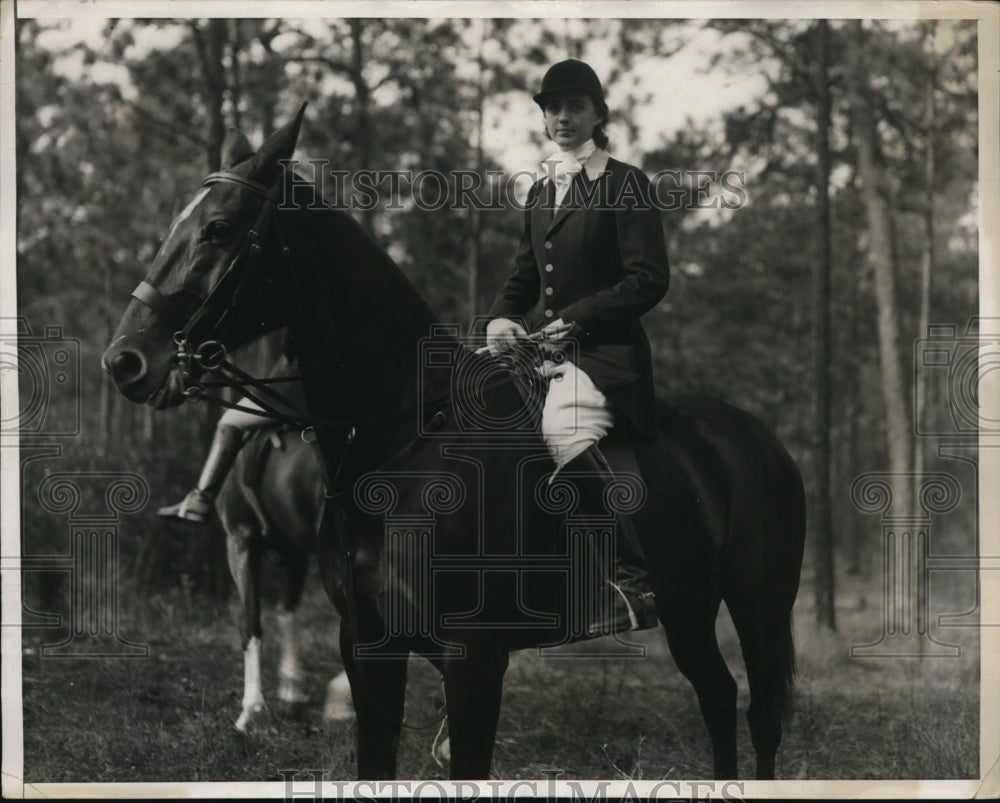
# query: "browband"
246, 183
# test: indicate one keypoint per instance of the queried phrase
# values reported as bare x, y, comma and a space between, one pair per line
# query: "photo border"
988, 16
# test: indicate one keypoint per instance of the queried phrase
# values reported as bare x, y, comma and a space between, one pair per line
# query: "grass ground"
169, 717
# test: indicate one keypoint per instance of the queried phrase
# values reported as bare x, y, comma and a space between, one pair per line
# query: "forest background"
811, 298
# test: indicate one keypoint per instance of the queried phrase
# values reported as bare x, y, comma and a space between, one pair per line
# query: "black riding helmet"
570, 76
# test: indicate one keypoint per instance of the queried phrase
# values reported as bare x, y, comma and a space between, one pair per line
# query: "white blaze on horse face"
184, 215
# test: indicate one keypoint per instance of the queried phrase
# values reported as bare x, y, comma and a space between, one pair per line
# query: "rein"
211, 355
206, 352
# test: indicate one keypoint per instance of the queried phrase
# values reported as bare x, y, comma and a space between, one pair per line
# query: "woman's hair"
599, 136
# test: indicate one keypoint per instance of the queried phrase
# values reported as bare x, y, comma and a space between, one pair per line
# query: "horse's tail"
767, 485
787, 662
786, 671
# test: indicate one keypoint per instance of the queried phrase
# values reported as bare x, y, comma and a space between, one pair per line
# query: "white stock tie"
566, 170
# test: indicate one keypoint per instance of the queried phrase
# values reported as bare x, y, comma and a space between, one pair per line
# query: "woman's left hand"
556, 330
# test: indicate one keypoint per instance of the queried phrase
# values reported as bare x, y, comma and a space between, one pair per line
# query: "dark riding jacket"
599, 263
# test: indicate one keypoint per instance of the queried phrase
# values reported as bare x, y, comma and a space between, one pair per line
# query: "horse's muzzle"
130, 370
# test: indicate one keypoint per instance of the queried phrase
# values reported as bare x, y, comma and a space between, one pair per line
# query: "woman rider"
592, 260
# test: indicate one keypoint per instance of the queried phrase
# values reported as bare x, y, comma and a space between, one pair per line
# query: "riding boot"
196, 506
633, 606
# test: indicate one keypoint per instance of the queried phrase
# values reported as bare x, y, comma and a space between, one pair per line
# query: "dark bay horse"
273, 500
447, 536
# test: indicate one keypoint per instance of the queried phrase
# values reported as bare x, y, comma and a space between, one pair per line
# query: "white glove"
556, 329
501, 334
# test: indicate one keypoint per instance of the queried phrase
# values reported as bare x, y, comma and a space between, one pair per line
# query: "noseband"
189, 326
198, 335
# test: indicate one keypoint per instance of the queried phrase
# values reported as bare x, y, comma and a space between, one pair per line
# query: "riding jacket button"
549, 313
548, 245
548, 268
548, 291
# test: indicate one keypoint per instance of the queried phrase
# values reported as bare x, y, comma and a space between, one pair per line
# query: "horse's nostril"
126, 367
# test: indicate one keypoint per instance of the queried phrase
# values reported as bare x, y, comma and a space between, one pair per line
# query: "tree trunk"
236, 88
899, 433
211, 47
853, 408
822, 534
108, 391
365, 135
475, 215
270, 77
927, 258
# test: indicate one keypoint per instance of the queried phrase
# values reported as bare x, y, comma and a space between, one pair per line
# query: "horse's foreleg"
473, 687
290, 670
378, 687
253, 696
689, 622
244, 555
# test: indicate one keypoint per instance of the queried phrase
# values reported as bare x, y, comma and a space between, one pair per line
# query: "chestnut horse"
273, 500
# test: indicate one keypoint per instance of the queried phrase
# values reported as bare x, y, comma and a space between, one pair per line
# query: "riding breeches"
242, 419
575, 415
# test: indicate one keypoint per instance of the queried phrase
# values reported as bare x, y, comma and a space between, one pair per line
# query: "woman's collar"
593, 159
596, 164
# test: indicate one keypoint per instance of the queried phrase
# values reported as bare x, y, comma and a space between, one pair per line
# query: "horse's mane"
361, 315
357, 243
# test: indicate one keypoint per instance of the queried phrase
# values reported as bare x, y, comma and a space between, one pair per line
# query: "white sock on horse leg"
289, 670
253, 695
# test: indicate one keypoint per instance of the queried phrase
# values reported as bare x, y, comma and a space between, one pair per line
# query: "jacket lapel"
570, 203
541, 215
561, 214
594, 170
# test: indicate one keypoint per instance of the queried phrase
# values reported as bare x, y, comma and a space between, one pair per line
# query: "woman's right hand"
502, 334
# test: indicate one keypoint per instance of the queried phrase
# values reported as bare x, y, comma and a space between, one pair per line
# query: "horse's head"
216, 280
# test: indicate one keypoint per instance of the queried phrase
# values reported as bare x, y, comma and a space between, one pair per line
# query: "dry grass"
170, 717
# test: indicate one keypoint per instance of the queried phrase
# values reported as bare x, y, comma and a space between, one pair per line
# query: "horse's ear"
280, 145
235, 148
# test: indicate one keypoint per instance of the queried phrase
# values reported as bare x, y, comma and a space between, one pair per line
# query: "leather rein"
205, 351
199, 338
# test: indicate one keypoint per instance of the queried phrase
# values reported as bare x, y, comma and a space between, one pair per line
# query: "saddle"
254, 454
256, 449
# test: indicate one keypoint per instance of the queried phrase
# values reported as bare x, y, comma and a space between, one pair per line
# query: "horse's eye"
218, 230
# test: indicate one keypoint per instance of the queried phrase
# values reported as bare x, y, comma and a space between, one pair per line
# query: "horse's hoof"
292, 709
441, 752
338, 706
248, 718
338, 711
291, 694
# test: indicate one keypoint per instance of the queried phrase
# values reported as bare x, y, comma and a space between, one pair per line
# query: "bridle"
199, 335
213, 315
200, 348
